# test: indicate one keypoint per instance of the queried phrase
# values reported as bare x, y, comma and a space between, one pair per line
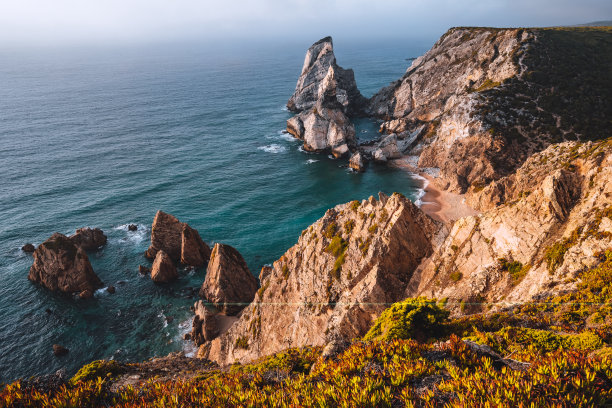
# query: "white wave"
135, 237
101, 292
273, 148
284, 108
421, 191
189, 347
310, 161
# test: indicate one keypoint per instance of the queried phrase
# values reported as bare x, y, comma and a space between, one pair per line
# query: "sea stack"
325, 96
89, 239
178, 240
229, 285
163, 269
61, 265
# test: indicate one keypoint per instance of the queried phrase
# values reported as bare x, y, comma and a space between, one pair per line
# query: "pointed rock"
229, 284
61, 265
357, 162
163, 270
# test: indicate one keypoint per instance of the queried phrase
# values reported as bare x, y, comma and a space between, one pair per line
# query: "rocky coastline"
517, 210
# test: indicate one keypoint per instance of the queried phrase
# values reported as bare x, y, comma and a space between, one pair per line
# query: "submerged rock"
59, 350
61, 265
178, 240
229, 285
132, 227
143, 270
89, 239
163, 270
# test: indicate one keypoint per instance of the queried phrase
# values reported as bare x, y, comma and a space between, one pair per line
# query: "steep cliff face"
325, 96
553, 219
483, 100
345, 269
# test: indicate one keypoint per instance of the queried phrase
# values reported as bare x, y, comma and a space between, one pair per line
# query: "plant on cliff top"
411, 318
97, 369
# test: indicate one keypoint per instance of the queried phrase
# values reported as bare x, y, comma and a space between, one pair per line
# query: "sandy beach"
437, 203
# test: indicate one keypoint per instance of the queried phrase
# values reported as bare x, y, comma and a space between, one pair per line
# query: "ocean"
105, 137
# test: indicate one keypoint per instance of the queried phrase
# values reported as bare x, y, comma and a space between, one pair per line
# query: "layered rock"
60, 265
205, 326
229, 285
486, 99
177, 239
325, 96
540, 228
345, 269
163, 269
89, 239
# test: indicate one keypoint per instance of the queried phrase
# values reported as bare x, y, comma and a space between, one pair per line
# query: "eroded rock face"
561, 196
341, 274
325, 96
229, 285
89, 239
205, 326
61, 265
322, 80
358, 162
490, 98
163, 269
177, 239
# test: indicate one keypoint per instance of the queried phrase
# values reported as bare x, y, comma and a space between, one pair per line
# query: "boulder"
28, 248
59, 350
205, 326
89, 239
163, 270
323, 129
178, 240
111, 289
357, 162
229, 285
61, 265
132, 227
143, 270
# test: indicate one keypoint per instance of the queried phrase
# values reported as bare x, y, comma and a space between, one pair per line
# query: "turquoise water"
106, 137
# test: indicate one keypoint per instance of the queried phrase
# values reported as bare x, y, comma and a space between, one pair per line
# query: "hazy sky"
43, 22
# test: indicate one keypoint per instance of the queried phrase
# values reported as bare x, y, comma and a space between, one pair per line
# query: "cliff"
483, 100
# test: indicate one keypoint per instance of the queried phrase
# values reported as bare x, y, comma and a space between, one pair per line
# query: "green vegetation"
348, 226
555, 253
456, 276
331, 230
242, 342
516, 269
418, 318
97, 369
354, 205
373, 228
285, 271
487, 84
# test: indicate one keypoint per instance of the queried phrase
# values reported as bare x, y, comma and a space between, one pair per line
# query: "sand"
437, 203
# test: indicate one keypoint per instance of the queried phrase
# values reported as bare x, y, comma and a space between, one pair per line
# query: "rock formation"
177, 239
229, 285
483, 100
341, 274
358, 162
163, 269
324, 98
540, 228
29, 248
89, 239
59, 350
61, 265
205, 326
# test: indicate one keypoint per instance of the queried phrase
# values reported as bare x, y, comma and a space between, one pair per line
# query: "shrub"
242, 342
97, 369
411, 318
456, 276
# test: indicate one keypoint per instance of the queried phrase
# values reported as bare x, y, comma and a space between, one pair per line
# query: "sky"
56, 22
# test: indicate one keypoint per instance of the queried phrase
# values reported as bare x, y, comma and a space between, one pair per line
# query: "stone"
358, 162
163, 270
205, 326
89, 239
132, 227
229, 285
86, 294
143, 270
60, 265
28, 248
323, 129
59, 350
111, 289
181, 242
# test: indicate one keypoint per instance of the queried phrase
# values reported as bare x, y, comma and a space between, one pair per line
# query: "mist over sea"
105, 137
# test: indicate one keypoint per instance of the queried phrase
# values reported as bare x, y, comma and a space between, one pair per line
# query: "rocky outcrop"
177, 239
163, 269
486, 99
89, 239
358, 162
229, 285
540, 228
29, 248
62, 266
204, 326
59, 350
345, 269
325, 96
322, 80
